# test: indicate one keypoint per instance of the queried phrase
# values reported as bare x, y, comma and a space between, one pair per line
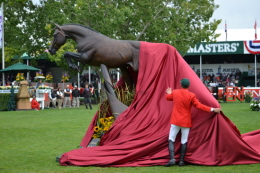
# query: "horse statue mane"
82, 26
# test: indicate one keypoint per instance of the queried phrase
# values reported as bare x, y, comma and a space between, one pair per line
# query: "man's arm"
50, 95
197, 104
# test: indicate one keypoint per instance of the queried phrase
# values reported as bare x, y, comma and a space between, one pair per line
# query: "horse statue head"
60, 39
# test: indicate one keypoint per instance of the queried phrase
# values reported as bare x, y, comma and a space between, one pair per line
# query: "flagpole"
89, 75
27, 61
3, 52
201, 68
255, 26
78, 78
255, 72
226, 29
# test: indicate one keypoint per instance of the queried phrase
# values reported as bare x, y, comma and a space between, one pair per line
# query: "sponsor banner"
227, 47
225, 68
235, 93
217, 48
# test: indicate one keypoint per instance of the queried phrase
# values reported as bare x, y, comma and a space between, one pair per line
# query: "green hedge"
4, 98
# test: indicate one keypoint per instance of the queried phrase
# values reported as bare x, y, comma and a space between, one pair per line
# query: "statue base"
24, 103
94, 142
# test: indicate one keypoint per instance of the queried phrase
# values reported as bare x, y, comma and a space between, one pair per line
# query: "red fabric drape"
139, 137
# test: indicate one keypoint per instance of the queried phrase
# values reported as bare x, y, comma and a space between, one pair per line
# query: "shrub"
4, 101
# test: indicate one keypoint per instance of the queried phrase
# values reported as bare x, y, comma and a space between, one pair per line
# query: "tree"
181, 23
21, 33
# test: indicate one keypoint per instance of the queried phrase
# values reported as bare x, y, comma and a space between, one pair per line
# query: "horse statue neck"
78, 32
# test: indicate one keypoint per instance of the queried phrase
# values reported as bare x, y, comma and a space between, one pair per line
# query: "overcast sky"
240, 16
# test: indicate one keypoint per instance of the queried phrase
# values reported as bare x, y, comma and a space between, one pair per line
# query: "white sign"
223, 68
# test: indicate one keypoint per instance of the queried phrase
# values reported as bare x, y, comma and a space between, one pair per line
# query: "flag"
252, 46
226, 29
255, 26
2, 40
1, 24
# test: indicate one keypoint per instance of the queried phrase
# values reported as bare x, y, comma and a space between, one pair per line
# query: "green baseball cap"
185, 82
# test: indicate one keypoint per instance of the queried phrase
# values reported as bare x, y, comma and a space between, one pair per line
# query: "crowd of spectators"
84, 79
222, 79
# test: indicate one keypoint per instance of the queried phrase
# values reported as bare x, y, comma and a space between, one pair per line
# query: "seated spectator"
35, 104
7, 83
14, 83
232, 84
39, 84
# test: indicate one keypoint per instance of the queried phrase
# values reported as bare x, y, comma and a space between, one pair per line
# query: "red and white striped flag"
255, 26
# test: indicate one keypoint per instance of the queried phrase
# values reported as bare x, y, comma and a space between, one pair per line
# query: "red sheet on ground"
139, 137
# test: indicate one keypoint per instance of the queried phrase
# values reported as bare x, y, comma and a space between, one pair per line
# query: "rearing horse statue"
96, 49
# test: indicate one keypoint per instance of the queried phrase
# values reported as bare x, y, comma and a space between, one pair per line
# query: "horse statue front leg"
71, 55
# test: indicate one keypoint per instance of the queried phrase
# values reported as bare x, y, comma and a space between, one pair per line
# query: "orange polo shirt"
182, 102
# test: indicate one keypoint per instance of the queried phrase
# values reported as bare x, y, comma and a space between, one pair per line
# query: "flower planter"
54, 85
44, 90
8, 91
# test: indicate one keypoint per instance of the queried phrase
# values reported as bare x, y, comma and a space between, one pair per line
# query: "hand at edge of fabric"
217, 110
168, 90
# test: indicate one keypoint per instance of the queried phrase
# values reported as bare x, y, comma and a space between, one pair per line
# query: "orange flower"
106, 128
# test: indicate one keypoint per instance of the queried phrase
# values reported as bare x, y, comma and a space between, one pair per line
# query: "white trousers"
66, 99
174, 131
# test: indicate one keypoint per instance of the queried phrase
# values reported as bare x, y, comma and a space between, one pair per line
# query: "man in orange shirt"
183, 100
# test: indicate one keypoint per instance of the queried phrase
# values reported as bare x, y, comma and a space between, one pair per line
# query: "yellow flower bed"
19, 77
8, 87
65, 77
39, 74
103, 126
104, 120
49, 78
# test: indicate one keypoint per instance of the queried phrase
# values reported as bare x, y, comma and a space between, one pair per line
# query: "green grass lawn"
30, 141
